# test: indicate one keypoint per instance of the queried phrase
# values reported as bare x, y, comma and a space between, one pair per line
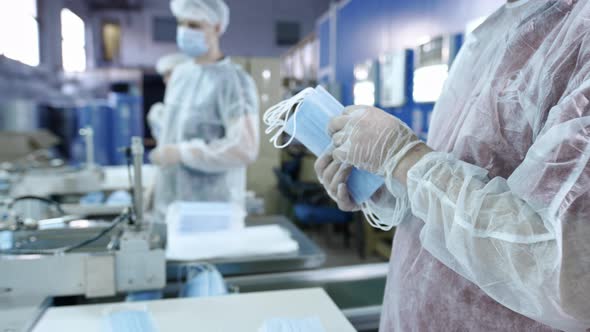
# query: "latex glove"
166, 155
333, 175
370, 139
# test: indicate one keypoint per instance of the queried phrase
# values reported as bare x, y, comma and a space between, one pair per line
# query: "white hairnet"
212, 11
168, 62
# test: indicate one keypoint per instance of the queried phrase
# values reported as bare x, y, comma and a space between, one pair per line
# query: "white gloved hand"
166, 155
333, 175
370, 139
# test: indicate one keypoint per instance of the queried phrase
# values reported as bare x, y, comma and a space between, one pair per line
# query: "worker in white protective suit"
211, 131
498, 234
165, 66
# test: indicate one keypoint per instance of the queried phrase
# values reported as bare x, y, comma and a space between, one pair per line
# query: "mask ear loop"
276, 117
400, 212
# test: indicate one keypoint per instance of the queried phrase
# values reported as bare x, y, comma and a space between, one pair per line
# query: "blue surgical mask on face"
191, 41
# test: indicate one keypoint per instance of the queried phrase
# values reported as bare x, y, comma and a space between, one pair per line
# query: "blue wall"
368, 28
324, 37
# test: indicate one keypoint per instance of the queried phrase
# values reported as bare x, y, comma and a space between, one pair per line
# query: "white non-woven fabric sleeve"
238, 104
522, 240
237, 149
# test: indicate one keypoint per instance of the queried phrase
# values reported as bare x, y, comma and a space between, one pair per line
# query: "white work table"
239, 312
117, 177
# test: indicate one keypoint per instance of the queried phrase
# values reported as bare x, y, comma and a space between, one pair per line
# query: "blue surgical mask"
191, 41
314, 109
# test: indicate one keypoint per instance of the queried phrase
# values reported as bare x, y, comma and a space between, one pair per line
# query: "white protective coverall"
212, 121
499, 234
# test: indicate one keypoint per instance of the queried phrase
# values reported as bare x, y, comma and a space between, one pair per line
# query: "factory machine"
68, 255
54, 178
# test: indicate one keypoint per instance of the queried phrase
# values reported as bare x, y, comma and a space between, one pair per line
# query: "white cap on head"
212, 11
168, 62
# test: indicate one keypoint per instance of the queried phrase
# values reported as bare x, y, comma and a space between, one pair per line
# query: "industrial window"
19, 31
73, 42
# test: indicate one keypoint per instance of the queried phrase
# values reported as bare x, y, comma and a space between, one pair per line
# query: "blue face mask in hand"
192, 42
305, 117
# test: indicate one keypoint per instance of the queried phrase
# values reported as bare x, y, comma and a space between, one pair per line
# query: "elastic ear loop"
400, 211
402, 204
276, 117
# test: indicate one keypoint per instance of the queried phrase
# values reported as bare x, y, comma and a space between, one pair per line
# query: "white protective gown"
155, 118
212, 116
499, 239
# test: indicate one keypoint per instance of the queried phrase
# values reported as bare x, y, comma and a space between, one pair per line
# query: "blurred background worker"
165, 66
211, 130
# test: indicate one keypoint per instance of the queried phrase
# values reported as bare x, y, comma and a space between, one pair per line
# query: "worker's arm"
523, 240
239, 147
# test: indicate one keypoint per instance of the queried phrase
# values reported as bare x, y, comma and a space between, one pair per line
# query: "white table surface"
242, 312
117, 177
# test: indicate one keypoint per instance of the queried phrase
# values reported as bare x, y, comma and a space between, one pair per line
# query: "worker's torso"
196, 110
489, 116
194, 104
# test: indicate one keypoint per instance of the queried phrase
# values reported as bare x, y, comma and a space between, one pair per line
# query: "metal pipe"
137, 155
88, 134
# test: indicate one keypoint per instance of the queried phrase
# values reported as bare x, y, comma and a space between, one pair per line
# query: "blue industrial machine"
127, 122
113, 122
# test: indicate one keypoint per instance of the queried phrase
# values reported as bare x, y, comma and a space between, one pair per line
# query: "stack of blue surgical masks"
305, 117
